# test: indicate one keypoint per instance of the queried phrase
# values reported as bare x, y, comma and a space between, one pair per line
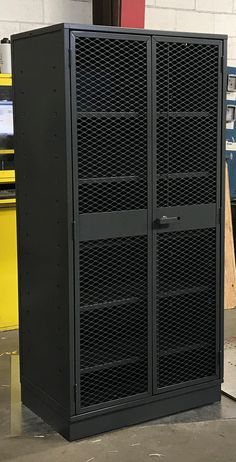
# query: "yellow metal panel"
8, 252
5, 79
7, 176
8, 269
6, 151
7, 203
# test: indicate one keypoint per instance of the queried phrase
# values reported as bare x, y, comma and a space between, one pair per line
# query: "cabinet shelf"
95, 306
107, 114
110, 365
176, 350
111, 179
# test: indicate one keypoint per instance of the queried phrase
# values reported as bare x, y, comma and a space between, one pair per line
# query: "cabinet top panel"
111, 29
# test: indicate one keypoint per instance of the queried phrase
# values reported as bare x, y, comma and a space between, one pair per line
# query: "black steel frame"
70, 420
148, 230
210, 218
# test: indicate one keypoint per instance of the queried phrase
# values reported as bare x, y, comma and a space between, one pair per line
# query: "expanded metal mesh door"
111, 145
146, 133
186, 112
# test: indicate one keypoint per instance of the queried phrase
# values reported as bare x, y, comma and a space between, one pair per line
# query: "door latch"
164, 220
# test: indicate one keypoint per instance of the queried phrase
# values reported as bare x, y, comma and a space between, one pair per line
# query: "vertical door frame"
219, 207
117, 36
222, 204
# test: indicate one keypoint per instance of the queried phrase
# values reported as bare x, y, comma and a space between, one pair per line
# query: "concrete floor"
229, 385
203, 435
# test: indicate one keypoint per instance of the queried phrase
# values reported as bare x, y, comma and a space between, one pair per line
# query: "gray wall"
21, 15
213, 16
182, 15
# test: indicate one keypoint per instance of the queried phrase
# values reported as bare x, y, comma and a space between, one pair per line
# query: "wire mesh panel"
111, 88
112, 157
186, 306
113, 319
186, 140
187, 118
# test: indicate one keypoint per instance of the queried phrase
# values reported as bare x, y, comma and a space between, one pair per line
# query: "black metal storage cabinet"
119, 141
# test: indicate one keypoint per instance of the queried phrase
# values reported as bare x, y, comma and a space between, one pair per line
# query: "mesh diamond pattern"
187, 365
187, 104
113, 319
113, 383
110, 147
126, 258
186, 151
186, 260
186, 320
111, 87
111, 97
186, 306
119, 331
186, 191
112, 196
187, 77
111, 74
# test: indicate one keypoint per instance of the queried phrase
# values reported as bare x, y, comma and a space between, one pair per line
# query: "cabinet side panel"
43, 217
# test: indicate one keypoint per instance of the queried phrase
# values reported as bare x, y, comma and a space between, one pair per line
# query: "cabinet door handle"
164, 220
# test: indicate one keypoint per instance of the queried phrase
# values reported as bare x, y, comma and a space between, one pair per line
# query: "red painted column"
132, 13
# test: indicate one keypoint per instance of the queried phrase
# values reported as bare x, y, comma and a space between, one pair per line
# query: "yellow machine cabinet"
8, 250
8, 267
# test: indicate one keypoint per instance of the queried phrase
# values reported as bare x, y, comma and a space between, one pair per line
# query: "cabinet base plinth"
89, 424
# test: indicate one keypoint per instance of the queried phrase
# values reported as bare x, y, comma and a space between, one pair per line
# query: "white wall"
21, 15
211, 16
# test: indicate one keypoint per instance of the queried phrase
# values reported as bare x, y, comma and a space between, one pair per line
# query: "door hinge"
69, 58
220, 356
75, 392
73, 230
221, 363
222, 64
